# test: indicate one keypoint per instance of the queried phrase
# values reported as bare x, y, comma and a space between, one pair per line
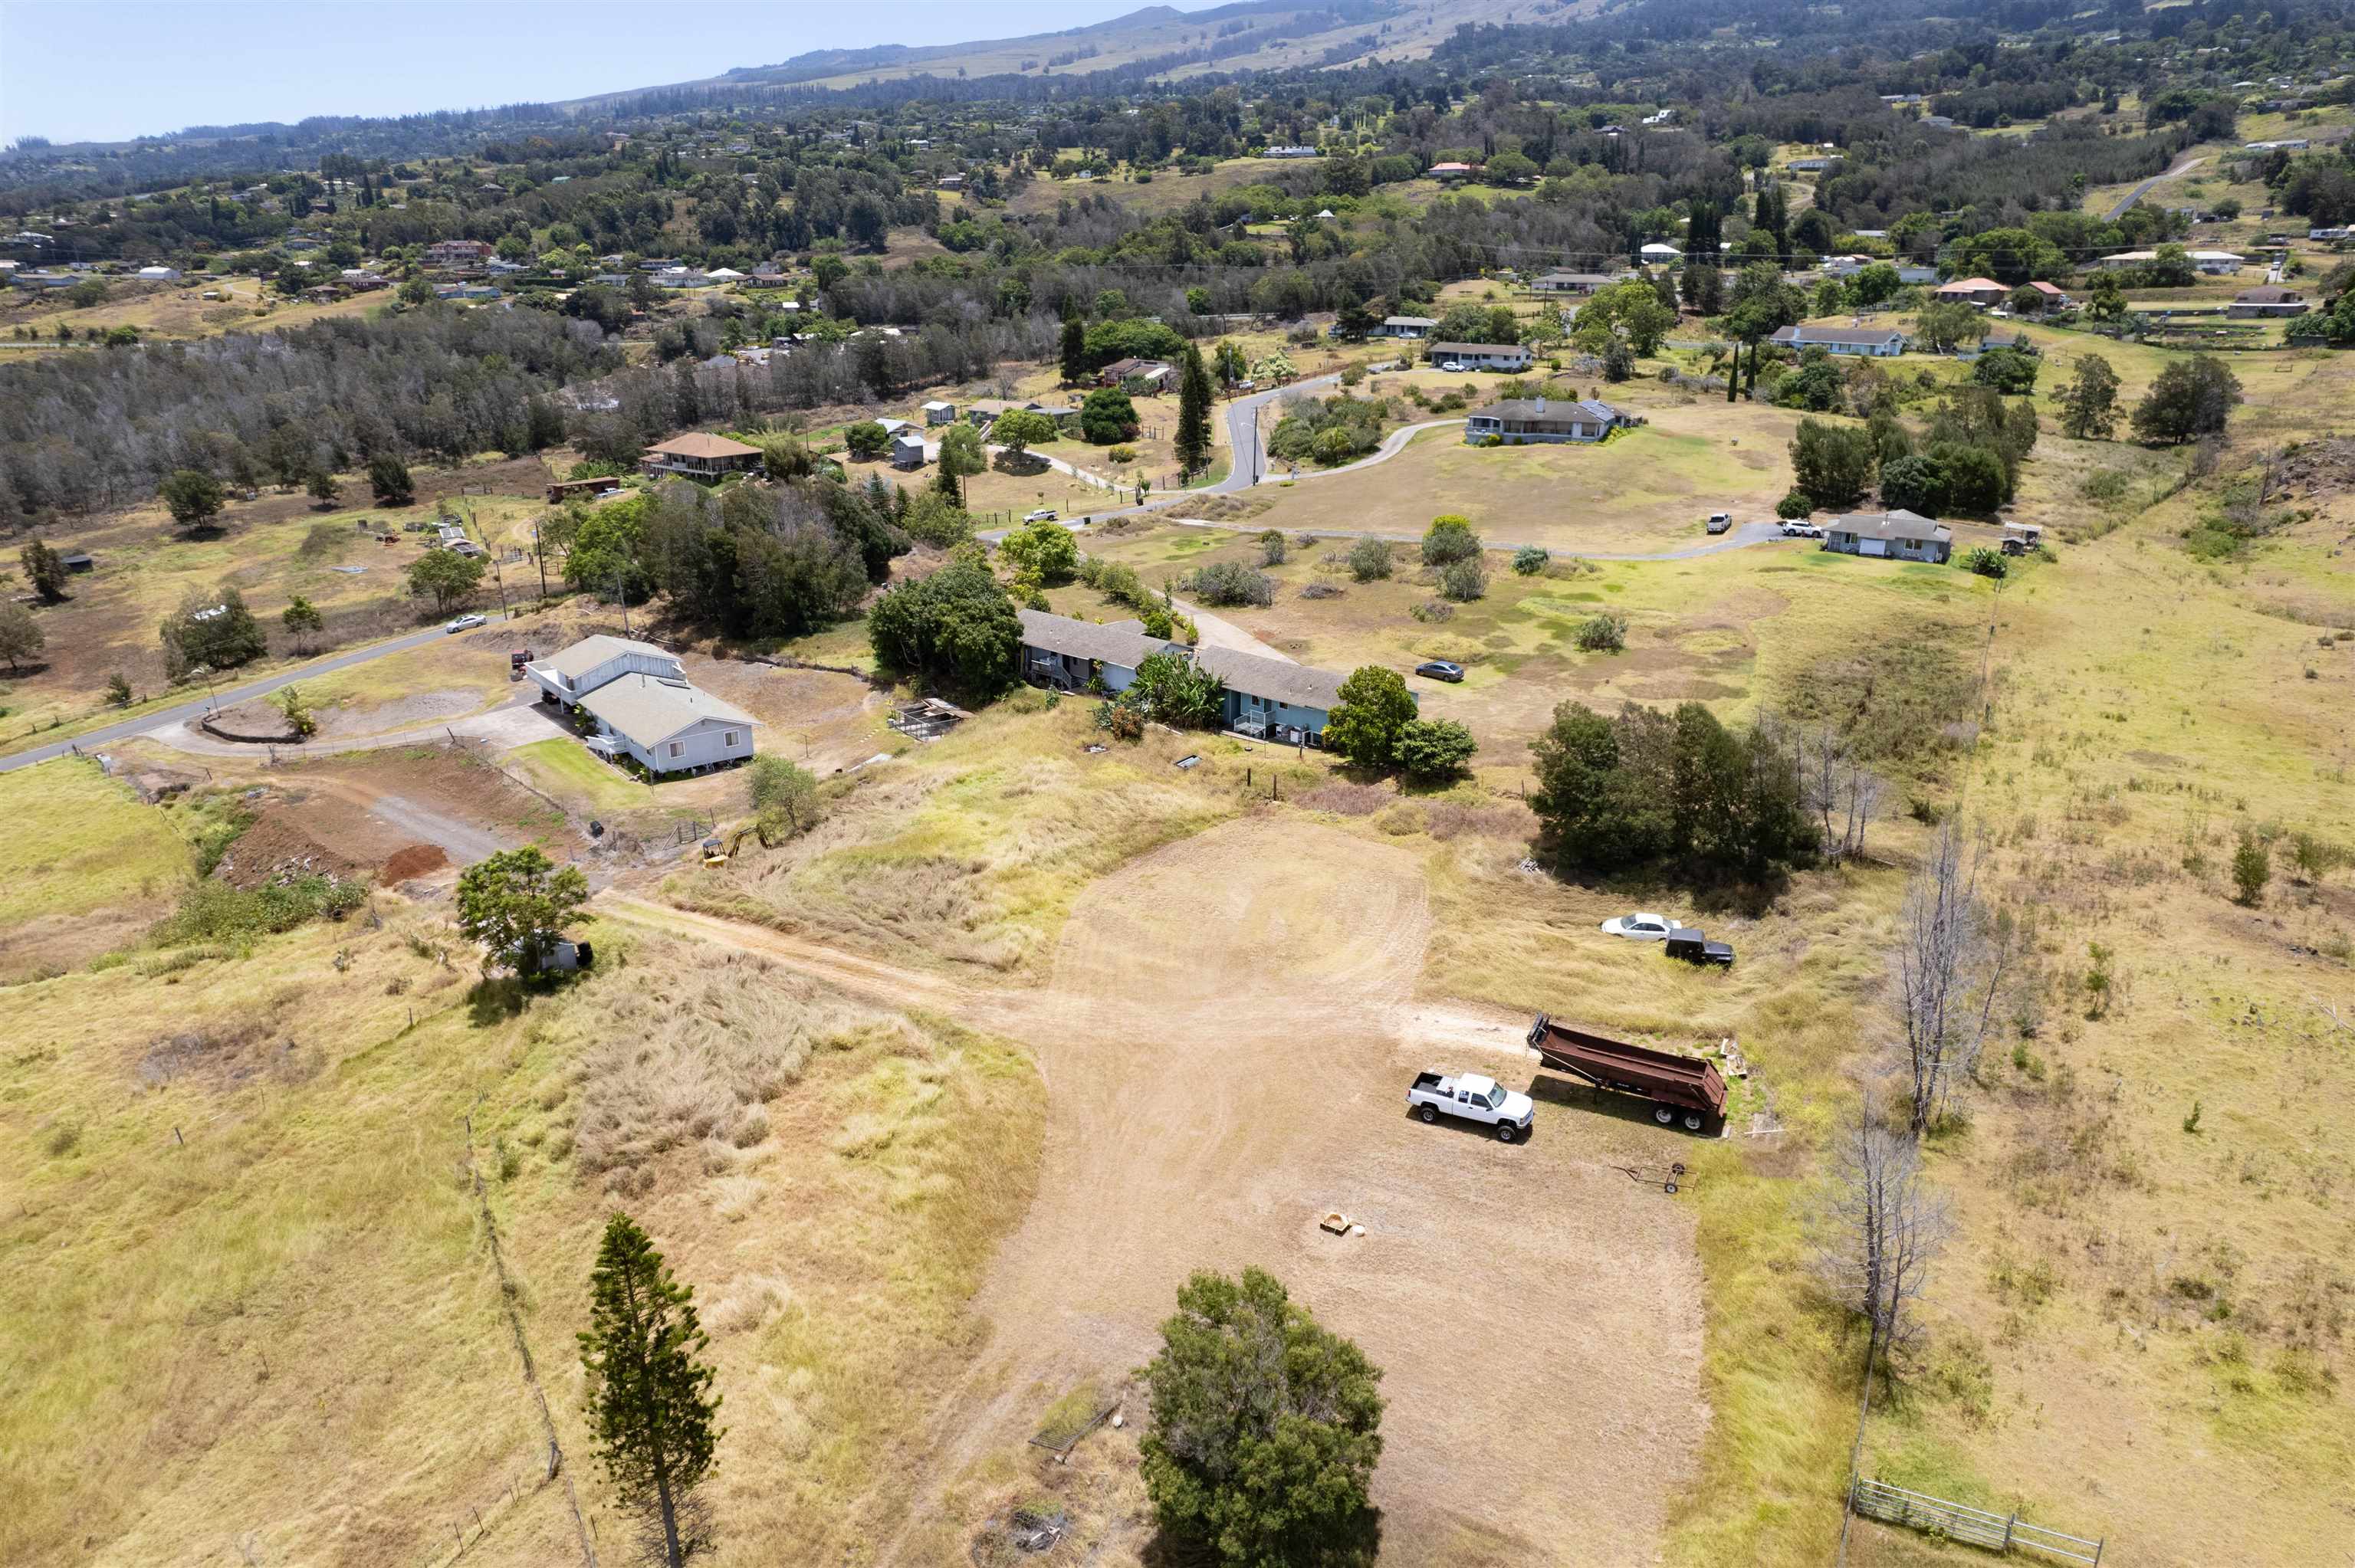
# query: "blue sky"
106, 69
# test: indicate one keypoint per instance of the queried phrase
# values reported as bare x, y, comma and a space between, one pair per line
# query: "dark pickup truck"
1683, 1090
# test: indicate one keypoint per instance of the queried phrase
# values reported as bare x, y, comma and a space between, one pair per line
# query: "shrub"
1369, 560
1986, 563
1120, 454
1229, 583
1463, 580
2253, 867
1272, 548
1433, 749
1794, 506
1604, 632
1530, 560
1449, 538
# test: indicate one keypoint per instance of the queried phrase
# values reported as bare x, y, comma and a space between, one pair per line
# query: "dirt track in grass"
1226, 1036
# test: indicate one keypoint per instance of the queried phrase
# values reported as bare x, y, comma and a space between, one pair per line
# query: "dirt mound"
2315, 471
278, 847
416, 860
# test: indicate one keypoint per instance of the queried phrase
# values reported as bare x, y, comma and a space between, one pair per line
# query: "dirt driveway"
1226, 1038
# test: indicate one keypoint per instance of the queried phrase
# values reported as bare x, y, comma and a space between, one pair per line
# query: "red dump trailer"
1684, 1089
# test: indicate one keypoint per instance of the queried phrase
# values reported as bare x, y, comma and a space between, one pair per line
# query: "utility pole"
541, 556
620, 594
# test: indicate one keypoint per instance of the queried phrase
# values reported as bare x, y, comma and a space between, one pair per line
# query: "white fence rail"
1895, 1504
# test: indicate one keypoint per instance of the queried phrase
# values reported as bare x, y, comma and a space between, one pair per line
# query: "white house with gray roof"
1885, 342
667, 724
1515, 421
571, 675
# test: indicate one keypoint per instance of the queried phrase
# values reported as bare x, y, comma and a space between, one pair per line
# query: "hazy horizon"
163, 68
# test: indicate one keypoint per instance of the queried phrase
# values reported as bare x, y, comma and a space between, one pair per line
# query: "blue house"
1073, 656
1266, 698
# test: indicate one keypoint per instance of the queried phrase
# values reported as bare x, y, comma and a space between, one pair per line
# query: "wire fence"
1958, 1521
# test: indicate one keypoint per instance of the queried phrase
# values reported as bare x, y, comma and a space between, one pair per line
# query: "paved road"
189, 713
1748, 534
2136, 195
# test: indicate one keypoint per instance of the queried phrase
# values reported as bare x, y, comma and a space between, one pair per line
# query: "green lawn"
565, 767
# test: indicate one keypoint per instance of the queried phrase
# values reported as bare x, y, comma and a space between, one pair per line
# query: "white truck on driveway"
1475, 1098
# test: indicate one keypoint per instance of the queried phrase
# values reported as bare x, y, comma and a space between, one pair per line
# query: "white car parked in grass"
1642, 928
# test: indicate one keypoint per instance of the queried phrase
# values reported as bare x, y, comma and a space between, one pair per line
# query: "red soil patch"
416, 860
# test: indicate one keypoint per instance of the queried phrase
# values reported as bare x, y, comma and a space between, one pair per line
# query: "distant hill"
1250, 35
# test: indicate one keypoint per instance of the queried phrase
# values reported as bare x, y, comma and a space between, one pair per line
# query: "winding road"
2182, 165
189, 713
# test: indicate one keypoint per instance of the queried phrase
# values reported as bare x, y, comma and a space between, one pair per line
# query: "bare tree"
1835, 788
1952, 956
1878, 1227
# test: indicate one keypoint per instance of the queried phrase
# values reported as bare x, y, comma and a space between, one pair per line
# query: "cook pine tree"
650, 1407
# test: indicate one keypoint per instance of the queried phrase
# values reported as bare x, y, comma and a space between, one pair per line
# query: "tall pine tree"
1193, 442
650, 1401
1075, 350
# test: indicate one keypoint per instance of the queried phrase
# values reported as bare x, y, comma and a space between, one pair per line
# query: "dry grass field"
936, 1104
271, 550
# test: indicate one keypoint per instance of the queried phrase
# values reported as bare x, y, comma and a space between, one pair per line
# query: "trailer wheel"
1507, 1132
1692, 1121
1429, 1113
1663, 1115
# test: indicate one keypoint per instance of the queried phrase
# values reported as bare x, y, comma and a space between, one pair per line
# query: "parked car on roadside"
466, 623
1472, 1097
1440, 670
1044, 515
1642, 928
1693, 948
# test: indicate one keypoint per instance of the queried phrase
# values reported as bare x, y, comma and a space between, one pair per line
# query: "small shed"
906, 451
938, 412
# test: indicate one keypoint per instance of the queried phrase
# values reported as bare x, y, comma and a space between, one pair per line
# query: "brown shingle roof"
696, 444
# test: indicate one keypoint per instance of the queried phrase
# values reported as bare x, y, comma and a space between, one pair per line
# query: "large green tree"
1832, 464
390, 482
193, 497
214, 630
2089, 403
1018, 429
44, 570
515, 903
2188, 398
1375, 706
1192, 443
444, 576
1266, 1430
1074, 350
956, 627
1045, 550
21, 636
1107, 417
651, 1408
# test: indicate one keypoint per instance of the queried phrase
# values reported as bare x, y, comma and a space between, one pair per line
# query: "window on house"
679, 749
728, 738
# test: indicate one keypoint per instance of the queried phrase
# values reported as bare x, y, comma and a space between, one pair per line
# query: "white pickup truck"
1475, 1098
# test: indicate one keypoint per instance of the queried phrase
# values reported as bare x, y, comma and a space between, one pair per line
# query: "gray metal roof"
1803, 335
1122, 643
1461, 348
1255, 675
649, 711
1579, 412
1898, 525
590, 652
